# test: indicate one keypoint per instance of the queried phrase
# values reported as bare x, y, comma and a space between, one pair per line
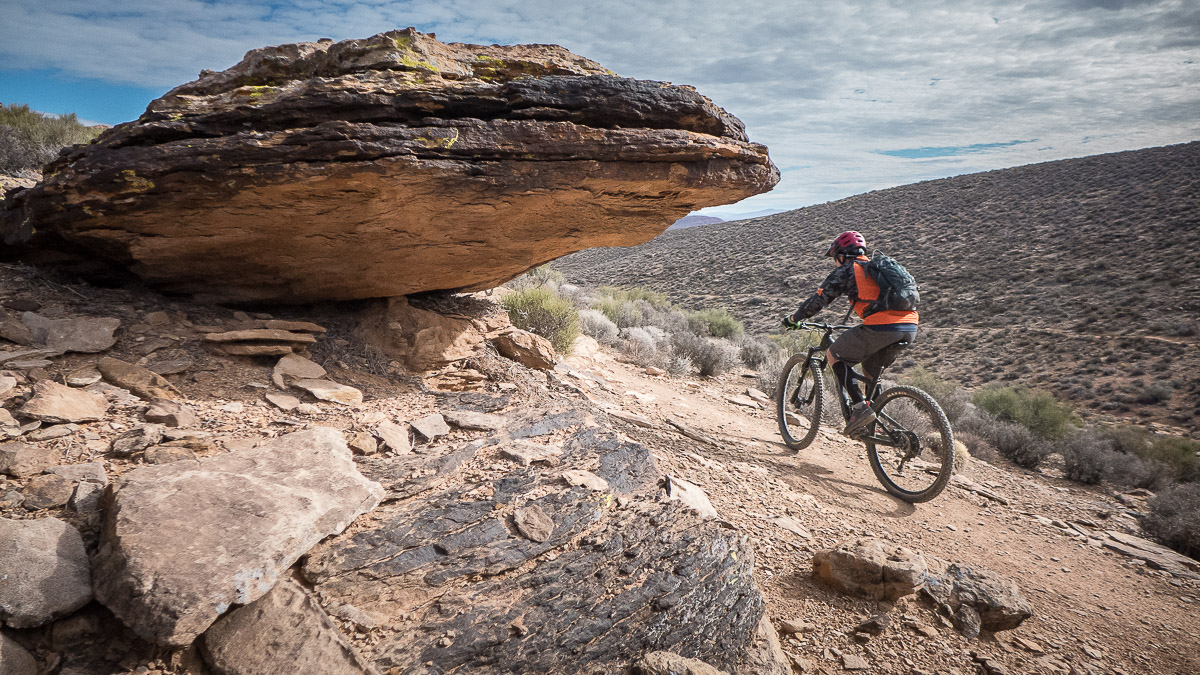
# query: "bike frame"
817, 357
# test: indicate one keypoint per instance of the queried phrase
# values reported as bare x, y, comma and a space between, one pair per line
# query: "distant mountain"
693, 221
1080, 276
729, 217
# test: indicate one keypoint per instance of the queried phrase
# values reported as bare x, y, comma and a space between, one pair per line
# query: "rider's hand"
789, 322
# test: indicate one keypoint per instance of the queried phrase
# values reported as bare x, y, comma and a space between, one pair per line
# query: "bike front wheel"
798, 401
910, 444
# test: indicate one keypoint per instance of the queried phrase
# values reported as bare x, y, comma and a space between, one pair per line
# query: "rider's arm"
840, 281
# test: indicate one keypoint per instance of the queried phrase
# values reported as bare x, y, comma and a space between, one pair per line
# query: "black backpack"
898, 290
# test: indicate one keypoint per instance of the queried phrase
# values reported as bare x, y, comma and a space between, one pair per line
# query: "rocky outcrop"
386, 166
979, 599
538, 574
44, 571
242, 518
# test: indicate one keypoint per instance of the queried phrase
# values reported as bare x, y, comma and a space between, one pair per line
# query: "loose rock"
46, 492
431, 426
23, 459
395, 437
76, 334
667, 663
14, 659
146, 384
285, 402
285, 626
531, 351
244, 517
997, 600
691, 495
171, 413
533, 523
295, 367
45, 572
333, 392
56, 403
136, 440
473, 421
871, 568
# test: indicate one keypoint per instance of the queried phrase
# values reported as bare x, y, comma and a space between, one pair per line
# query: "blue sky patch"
92, 100
948, 151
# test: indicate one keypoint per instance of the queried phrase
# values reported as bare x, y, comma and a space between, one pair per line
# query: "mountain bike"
910, 444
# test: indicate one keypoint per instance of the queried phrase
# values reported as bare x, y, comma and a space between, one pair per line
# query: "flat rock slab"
1156, 556
386, 166
394, 436
871, 568
57, 404
295, 367
325, 390
690, 495
261, 335
431, 426
585, 479
667, 663
285, 402
243, 519
526, 452
76, 334
44, 571
284, 627
474, 421
46, 492
24, 459
146, 384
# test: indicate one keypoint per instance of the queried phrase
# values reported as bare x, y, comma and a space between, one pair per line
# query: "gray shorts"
860, 343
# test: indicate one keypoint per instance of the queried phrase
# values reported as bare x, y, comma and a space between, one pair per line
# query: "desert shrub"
1134, 471
626, 313
797, 341
977, 446
595, 324
1174, 518
769, 370
678, 366
540, 310
668, 319
1088, 456
718, 323
29, 139
1177, 453
1019, 444
1156, 392
756, 351
543, 275
1039, 411
953, 399
711, 356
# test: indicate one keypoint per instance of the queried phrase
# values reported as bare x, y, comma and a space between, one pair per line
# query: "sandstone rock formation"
243, 519
386, 166
871, 568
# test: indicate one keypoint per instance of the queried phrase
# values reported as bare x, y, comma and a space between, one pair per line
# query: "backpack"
898, 290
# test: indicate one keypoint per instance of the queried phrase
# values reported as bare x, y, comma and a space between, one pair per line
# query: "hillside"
1078, 276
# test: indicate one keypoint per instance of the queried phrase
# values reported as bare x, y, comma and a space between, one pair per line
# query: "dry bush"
953, 399
718, 323
1088, 456
756, 351
1038, 411
540, 310
596, 325
977, 446
1019, 444
1175, 518
711, 356
29, 139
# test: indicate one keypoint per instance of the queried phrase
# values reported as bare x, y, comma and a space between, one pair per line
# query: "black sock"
843, 370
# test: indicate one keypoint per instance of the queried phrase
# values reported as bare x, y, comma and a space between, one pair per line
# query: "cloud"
838, 91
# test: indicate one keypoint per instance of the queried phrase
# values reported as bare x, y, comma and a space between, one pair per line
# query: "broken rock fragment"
24, 459
386, 166
59, 404
295, 367
171, 413
326, 390
243, 517
979, 598
531, 351
146, 384
431, 426
76, 334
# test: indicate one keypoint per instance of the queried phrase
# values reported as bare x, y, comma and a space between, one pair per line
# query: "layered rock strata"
387, 166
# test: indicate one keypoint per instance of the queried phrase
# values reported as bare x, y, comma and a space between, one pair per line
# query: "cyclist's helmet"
847, 243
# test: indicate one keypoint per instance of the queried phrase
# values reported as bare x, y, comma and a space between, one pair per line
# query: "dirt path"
1096, 611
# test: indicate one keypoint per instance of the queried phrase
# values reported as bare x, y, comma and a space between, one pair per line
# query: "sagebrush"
29, 139
540, 310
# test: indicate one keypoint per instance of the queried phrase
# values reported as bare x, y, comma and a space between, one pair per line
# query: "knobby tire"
812, 380
927, 412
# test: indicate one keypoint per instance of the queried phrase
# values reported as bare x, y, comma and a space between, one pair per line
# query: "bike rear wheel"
798, 401
910, 444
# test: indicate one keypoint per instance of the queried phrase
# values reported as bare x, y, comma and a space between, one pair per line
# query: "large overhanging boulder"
387, 166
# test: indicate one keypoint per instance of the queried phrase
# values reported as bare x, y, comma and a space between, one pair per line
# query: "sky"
849, 96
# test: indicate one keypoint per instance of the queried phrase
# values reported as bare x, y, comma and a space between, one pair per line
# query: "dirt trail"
1096, 611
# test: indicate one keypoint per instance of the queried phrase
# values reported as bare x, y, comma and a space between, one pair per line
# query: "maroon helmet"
847, 242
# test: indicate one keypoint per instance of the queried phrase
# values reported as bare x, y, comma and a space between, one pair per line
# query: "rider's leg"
844, 372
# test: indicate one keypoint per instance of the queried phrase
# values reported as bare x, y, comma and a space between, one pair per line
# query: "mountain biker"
863, 343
